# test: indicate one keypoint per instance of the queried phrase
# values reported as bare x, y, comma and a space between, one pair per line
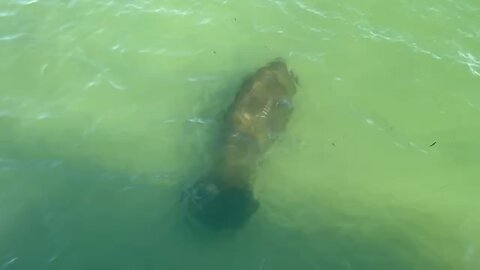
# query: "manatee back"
263, 106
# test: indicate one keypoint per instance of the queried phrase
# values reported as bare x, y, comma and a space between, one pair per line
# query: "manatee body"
224, 198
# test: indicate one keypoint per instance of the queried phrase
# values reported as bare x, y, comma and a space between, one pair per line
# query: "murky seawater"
108, 109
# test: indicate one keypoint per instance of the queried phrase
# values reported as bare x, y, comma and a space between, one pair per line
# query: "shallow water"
108, 109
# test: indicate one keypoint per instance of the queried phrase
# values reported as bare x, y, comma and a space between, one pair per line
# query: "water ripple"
475, 34
159, 51
267, 29
172, 11
171, 52
206, 78
14, 164
310, 56
310, 26
25, 2
11, 37
134, 8
205, 21
280, 5
471, 61
378, 34
310, 10
9, 262
7, 13
104, 77
116, 85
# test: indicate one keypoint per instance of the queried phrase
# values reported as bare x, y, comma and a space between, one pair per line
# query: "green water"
108, 110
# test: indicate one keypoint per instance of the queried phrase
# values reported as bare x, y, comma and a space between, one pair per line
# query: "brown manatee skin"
259, 113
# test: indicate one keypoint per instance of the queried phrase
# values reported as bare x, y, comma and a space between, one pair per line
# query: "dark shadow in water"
77, 215
80, 216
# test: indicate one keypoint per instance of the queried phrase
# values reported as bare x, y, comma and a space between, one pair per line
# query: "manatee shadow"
262, 244
336, 247
78, 215
75, 214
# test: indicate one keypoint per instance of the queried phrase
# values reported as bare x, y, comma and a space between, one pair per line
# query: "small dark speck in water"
235, 19
214, 52
433, 144
334, 145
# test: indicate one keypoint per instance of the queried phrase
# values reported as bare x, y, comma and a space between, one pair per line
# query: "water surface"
108, 109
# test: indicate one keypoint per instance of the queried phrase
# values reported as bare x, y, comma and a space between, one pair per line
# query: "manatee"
224, 197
